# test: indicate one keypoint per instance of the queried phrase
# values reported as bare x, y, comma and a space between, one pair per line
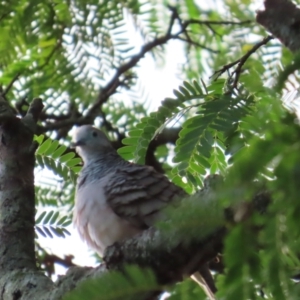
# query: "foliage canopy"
233, 114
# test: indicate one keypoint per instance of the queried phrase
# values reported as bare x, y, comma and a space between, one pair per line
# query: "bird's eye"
94, 134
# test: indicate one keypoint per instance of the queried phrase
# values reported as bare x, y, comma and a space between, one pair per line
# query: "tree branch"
240, 63
4, 93
167, 136
169, 264
120, 76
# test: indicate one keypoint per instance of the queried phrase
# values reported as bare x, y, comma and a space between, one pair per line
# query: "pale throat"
103, 158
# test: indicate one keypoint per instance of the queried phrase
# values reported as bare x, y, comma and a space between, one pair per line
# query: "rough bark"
18, 273
170, 264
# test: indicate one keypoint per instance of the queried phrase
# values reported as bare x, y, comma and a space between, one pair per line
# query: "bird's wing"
138, 194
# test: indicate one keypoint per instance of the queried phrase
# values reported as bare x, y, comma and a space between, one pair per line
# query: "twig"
48, 58
115, 82
243, 60
32, 115
193, 21
35, 108
197, 44
49, 260
61, 117
174, 16
4, 15
10, 85
240, 62
213, 30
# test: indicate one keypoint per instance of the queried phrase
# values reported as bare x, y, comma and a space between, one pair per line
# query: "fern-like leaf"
139, 138
52, 155
200, 147
49, 223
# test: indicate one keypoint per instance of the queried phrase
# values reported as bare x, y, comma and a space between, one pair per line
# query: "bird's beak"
76, 144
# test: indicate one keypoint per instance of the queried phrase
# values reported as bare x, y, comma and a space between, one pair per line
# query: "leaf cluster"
56, 158
49, 223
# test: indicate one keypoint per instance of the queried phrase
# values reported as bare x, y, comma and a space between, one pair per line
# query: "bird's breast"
94, 219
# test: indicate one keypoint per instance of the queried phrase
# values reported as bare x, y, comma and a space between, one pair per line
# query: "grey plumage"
116, 199
138, 194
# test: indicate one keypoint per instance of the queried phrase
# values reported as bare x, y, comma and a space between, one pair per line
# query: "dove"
115, 199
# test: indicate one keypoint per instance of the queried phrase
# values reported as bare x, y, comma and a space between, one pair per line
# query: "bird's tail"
198, 278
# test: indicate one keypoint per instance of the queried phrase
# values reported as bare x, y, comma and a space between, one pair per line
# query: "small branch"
48, 58
193, 21
44, 116
109, 127
4, 15
189, 41
6, 111
49, 260
174, 16
240, 62
210, 27
35, 109
64, 123
32, 115
243, 60
167, 136
114, 83
10, 84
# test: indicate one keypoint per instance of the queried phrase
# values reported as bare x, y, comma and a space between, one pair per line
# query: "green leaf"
59, 151
40, 217
44, 147
61, 220
178, 95
39, 138
73, 162
52, 148
198, 88
47, 232
40, 231
66, 157
190, 88
54, 218
48, 217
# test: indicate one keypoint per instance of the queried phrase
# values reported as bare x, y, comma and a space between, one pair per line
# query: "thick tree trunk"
19, 277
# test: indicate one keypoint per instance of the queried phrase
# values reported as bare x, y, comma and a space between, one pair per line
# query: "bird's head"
90, 142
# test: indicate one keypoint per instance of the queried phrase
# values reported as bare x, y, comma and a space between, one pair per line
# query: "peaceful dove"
115, 199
